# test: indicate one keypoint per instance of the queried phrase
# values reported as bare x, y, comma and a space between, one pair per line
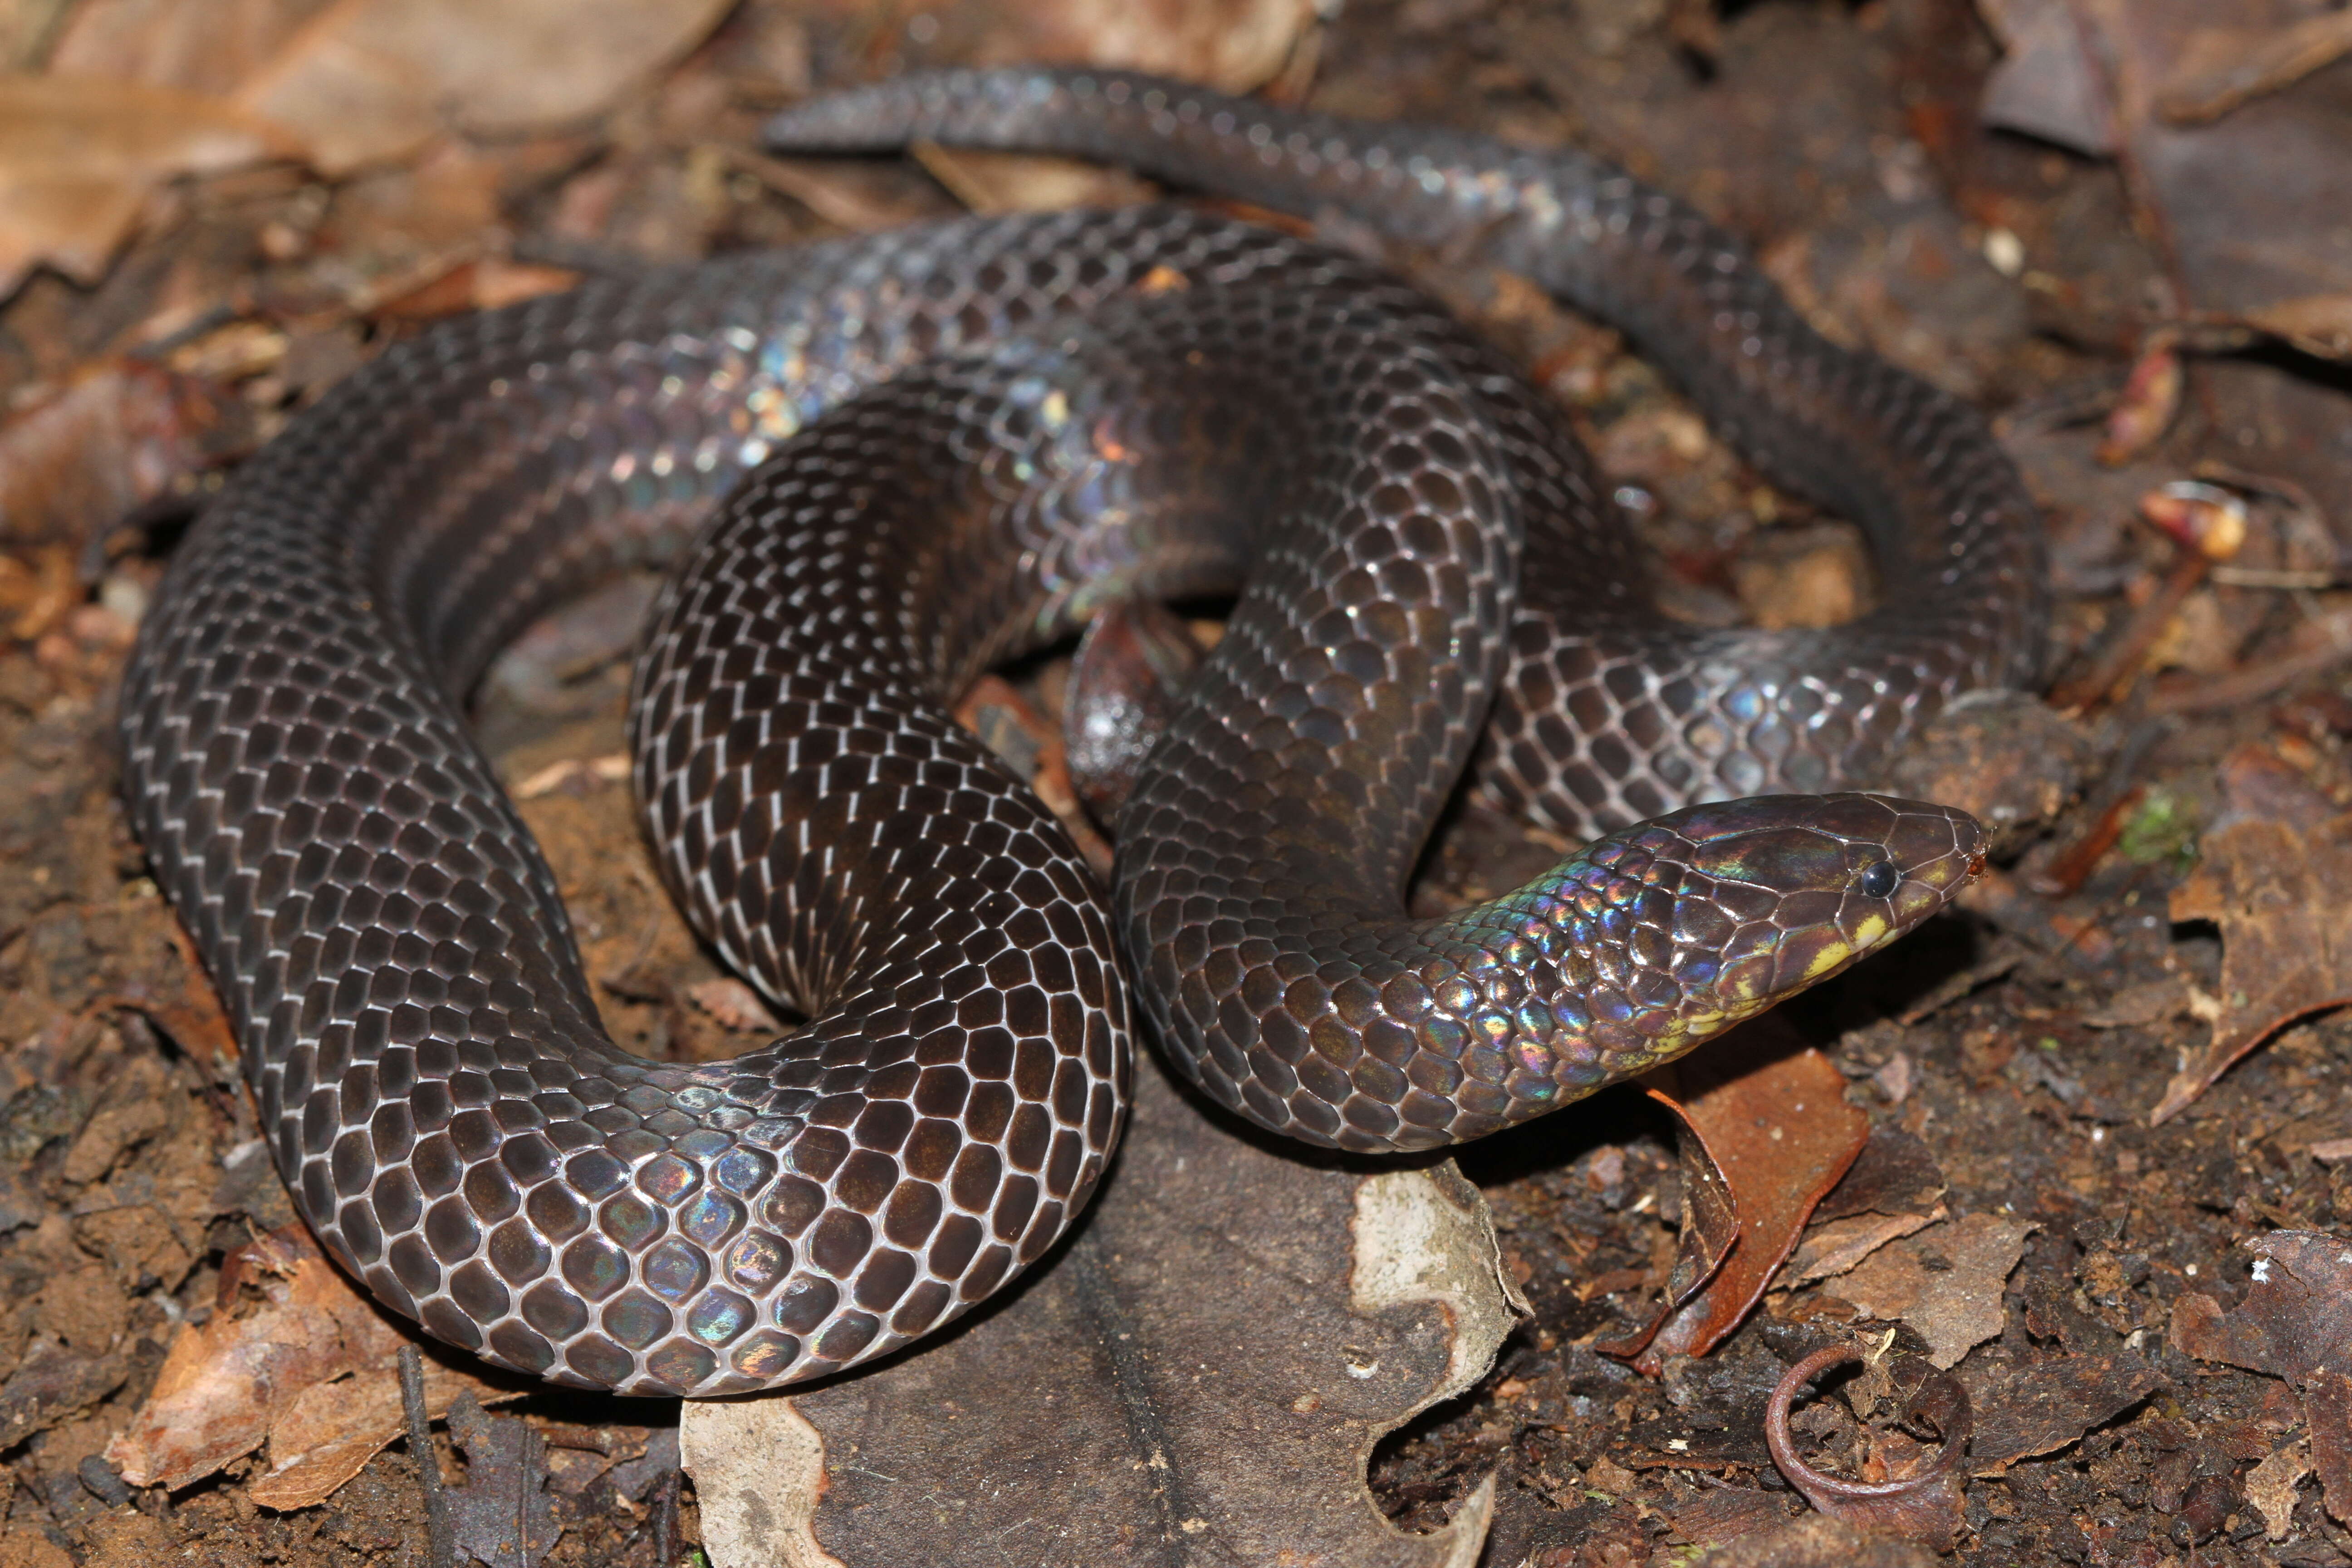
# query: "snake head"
1776, 893
1681, 926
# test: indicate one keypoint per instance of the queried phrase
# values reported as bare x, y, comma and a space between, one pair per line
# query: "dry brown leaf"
1024, 182
79, 154
310, 1369
328, 1432
1230, 45
2295, 1318
2318, 324
79, 460
734, 1005
1946, 1282
204, 45
2276, 878
2041, 1406
1830, 1249
368, 80
2271, 1486
2327, 1409
1198, 1377
1777, 1128
2256, 65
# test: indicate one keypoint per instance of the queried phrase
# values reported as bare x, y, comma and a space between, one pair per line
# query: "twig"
666, 1541
440, 1535
2109, 679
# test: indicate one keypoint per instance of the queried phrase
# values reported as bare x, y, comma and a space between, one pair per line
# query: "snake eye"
1878, 881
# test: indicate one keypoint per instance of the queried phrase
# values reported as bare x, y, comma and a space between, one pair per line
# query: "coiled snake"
961, 439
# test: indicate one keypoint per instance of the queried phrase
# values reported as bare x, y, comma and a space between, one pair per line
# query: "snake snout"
1841, 875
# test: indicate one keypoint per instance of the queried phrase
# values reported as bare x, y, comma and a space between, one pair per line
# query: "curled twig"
1924, 1507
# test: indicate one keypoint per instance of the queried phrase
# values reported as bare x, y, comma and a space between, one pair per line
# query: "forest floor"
2147, 1387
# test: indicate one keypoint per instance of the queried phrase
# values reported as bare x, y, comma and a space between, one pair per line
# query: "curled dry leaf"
78, 156
1775, 1129
2276, 878
1198, 1377
308, 1369
1946, 1282
1924, 1507
368, 80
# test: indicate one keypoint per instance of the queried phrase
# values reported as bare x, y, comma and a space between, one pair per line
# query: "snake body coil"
961, 439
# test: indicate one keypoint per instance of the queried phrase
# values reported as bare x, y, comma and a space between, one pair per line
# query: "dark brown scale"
947, 488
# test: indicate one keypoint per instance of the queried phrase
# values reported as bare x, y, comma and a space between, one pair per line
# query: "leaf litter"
1199, 1377
228, 281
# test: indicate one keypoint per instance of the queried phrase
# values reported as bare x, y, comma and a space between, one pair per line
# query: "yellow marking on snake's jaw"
1871, 931
1831, 955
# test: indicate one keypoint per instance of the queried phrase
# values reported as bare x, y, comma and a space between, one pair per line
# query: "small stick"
441, 1540
2114, 674
666, 1521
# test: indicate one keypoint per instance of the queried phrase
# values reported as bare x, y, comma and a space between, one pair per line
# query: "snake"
888, 462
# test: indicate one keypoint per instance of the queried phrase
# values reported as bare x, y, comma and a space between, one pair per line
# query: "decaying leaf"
2327, 1409
1946, 1282
204, 45
2318, 324
2296, 1317
1893, 1190
368, 80
52, 1383
2040, 1407
78, 156
1774, 1124
1817, 1541
1199, 1378
76, 461
309, 1369
503, 1514
2275, 874
2257, 66
1728, 1513
2270, 1485
1230, 45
